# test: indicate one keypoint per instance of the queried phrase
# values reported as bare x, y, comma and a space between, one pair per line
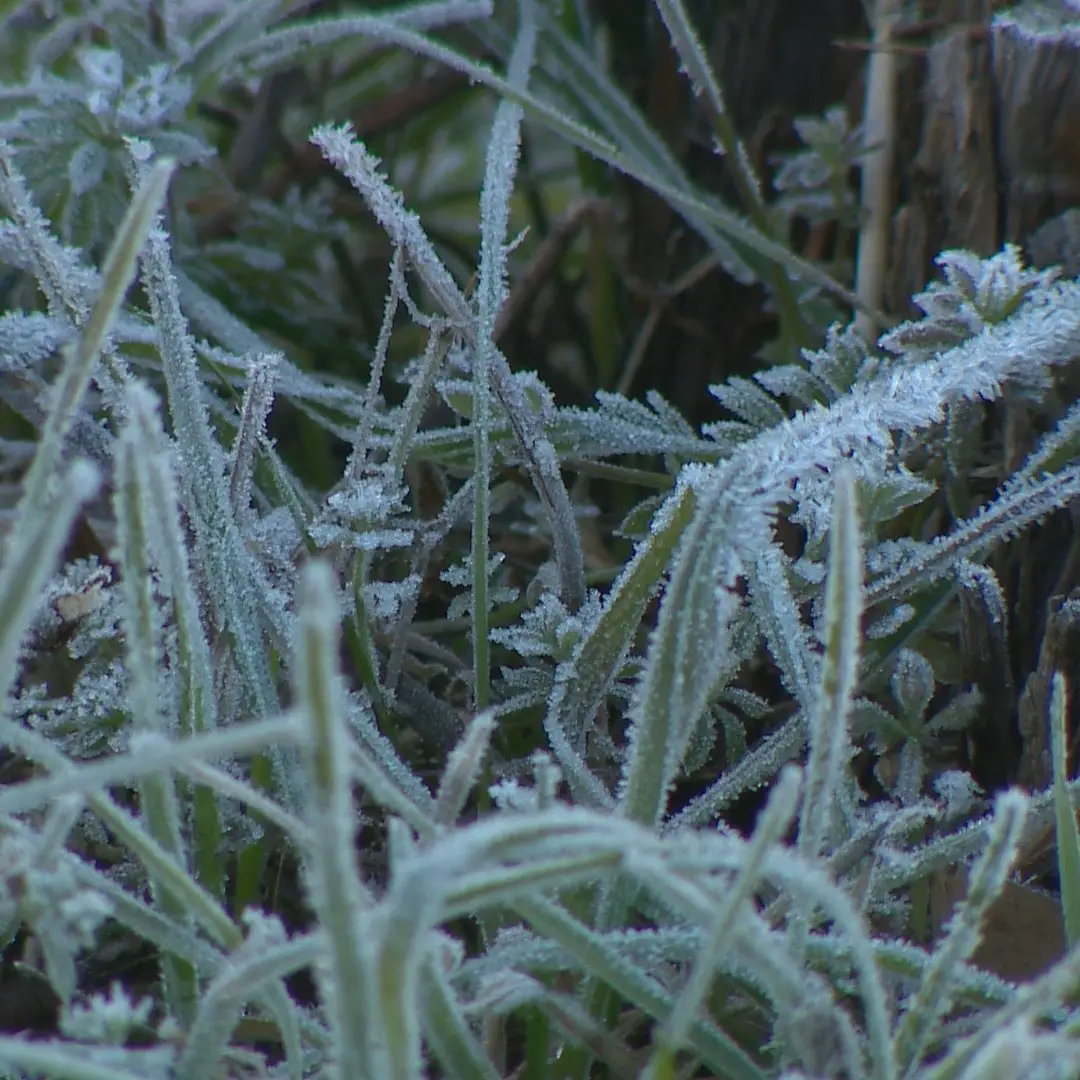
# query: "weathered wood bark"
999, 147
1037, 78
949, 197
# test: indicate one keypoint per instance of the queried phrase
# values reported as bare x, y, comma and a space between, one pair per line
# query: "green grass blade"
1068, 835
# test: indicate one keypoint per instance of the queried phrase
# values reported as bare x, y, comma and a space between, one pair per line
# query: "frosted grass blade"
145, 659
684, 653
229, 787
233, 585
830, 741
196, 902
758, 766
787, 636
706, 87
251, 431
1034, 1002
499, 172
771, 826
935, 994
716, 1050
462, 769
30, 556
44, 523
117, 274
265, 957
447, 1032
582, 682
339, 146
1068, 835
332, 874
155, 755
701, 215
71, 1061
198, 704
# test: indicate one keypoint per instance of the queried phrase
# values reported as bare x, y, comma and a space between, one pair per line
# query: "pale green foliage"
205, 675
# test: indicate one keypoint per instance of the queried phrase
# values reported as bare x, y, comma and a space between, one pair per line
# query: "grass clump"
371, 708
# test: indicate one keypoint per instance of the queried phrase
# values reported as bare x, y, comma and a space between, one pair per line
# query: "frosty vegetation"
184, 723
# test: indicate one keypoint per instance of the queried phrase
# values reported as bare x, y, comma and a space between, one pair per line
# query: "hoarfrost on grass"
206, 639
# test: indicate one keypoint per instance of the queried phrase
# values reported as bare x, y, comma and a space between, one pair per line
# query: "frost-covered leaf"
686, 650
548, 629
811, 181
794, 382
460, 575
106, 1018
977, 293
749, 402
959, 792
637, 522
780, 623
889, 496
619, 425
912, 684
28, 338
367, 515
48, 896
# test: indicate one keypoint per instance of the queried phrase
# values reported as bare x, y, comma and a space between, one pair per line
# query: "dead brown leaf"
1024, 932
